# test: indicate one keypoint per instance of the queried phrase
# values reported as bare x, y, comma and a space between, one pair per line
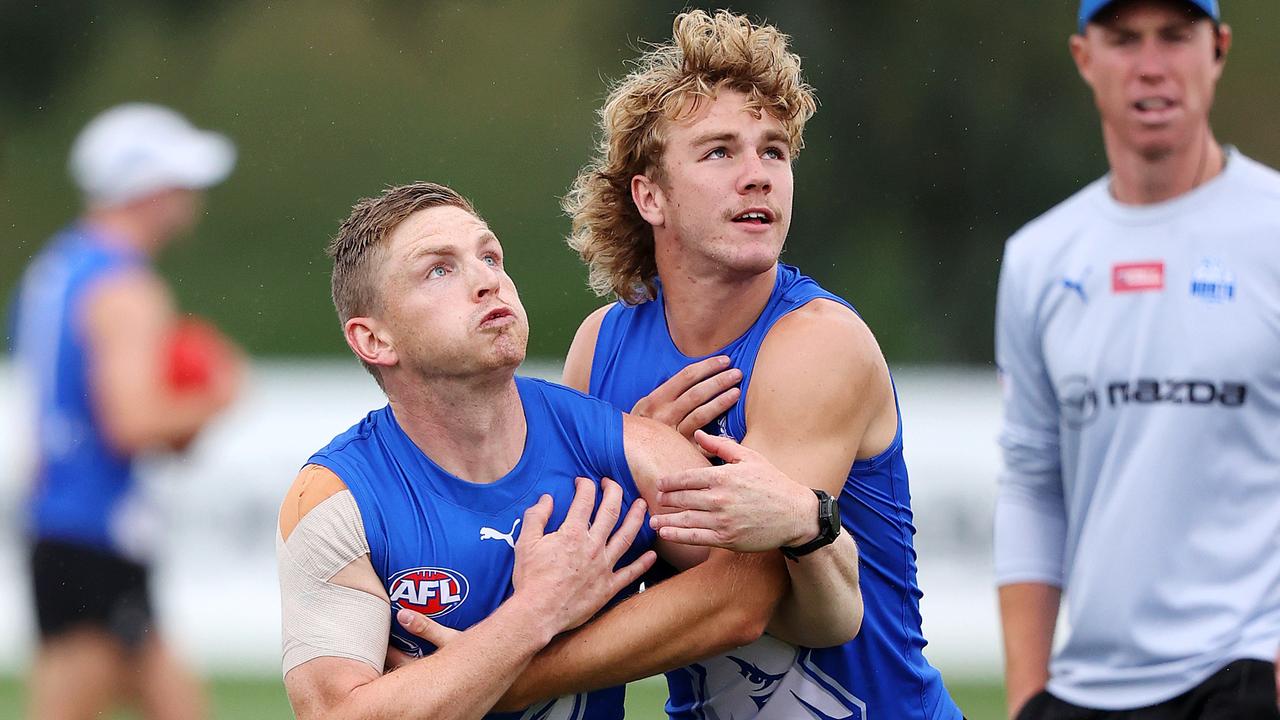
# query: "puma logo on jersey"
487, 533
1077, 286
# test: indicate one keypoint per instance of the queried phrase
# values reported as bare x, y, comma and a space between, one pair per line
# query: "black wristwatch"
828, 528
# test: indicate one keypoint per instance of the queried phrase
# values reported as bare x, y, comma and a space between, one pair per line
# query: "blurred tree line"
943, 127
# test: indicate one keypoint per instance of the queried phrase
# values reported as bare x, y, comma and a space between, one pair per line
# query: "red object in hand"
195, 353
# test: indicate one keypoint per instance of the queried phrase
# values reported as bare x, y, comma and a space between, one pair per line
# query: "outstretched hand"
745, 505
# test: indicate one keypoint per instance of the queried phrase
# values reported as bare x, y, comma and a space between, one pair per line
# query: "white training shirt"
1139, 348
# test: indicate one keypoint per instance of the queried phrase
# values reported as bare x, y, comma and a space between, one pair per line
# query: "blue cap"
1090, 8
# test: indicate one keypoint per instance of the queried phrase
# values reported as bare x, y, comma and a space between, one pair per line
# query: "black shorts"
1243, 690
77, 586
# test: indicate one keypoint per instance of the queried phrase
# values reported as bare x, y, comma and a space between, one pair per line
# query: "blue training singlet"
82, 486
446, 547
880, 674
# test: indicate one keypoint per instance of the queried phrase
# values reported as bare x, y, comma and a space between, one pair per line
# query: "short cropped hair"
357, 249
670, 83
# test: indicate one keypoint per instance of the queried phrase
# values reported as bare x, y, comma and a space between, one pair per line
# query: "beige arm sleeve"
322, 618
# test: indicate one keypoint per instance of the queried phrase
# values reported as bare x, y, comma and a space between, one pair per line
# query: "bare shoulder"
577, 363
823, 336
821, 364
130, 288
127, 297
313, 485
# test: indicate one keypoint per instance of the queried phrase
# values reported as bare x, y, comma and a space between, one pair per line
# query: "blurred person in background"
1138, 338
682, 216
114, 373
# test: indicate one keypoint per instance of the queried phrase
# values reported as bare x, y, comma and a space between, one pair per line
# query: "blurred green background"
944, 126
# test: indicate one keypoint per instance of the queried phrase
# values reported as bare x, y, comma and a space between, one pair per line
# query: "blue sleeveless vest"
445, 547
882, 673
82, 485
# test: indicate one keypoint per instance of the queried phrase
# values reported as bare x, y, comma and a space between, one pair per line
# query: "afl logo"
428, 590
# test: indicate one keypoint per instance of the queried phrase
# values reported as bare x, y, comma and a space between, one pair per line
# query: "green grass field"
263, 699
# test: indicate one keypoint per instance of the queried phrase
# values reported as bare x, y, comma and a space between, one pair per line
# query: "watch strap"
828, 528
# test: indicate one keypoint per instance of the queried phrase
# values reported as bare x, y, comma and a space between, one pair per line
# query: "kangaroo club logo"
429, 590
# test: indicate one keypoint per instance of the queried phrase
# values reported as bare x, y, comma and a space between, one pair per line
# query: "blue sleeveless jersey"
882, 673
82, 485
445, 547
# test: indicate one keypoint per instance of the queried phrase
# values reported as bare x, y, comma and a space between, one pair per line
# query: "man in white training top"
1138, 339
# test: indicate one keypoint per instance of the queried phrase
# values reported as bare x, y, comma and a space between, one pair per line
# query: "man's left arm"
720, 600
819, 399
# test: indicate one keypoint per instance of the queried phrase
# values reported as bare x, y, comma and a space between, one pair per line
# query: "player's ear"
370, 341
647, 194
1078, 44
1221, 43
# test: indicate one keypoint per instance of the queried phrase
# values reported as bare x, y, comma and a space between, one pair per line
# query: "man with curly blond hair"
682, 216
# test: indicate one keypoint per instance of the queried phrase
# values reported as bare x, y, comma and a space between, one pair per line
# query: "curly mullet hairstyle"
671, 83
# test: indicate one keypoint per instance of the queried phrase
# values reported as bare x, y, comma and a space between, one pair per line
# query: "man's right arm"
127, 319
462, 680
560, 580
1030, 517
722, 602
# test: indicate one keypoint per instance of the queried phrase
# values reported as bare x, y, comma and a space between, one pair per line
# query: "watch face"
828, 516
826, 505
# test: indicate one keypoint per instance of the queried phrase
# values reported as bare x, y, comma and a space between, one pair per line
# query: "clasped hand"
745, 505
568, 574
